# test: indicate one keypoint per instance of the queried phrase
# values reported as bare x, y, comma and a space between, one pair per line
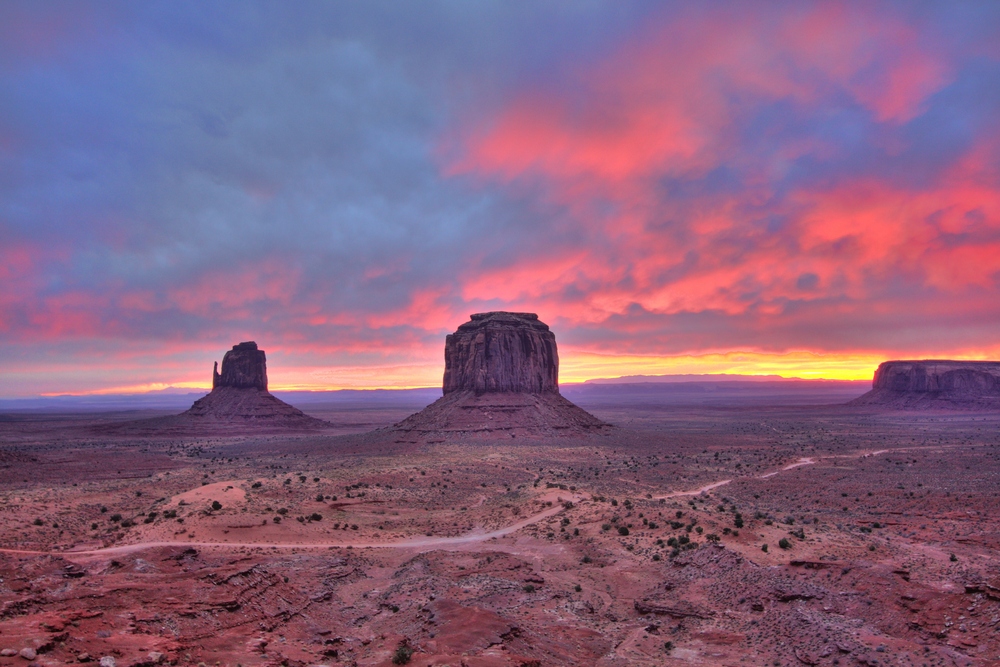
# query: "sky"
801, 188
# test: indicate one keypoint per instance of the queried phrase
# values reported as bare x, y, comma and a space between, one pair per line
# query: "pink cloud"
672, 104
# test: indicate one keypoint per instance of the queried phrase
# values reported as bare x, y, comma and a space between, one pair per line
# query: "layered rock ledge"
935, 383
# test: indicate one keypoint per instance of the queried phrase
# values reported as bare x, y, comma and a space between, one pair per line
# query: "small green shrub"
402, 655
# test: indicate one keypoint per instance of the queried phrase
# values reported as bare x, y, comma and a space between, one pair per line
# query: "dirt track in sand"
473, 537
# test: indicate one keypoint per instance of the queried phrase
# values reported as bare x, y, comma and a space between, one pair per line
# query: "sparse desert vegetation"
796, 535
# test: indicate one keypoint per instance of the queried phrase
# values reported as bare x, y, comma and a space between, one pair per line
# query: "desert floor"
689, 535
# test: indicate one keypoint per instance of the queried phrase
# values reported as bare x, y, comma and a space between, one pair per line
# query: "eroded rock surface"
935, 383
501, 352
244, 367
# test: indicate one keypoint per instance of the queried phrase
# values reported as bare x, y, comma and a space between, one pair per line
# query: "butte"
934, 384
239, 394
238, 403
501, 377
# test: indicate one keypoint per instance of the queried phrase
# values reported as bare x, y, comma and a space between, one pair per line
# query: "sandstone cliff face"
980, 377
935, 383
244, 366
502, 352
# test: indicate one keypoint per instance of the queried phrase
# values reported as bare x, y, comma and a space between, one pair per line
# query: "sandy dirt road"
422, 543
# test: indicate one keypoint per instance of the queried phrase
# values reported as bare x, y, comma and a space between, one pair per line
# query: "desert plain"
690, 533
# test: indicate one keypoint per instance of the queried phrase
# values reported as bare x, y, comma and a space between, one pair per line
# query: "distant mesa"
935, 384
501, 376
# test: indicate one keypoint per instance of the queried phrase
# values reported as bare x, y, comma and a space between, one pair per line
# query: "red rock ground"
340, 549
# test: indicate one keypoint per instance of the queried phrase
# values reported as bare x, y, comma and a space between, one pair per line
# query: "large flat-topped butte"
935, 383
501, 378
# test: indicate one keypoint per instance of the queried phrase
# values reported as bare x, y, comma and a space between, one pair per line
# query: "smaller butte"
238, 403
239, 395
501, 377
934, 384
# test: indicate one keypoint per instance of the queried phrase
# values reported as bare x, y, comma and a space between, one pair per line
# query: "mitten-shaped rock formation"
502, 352
238, 403
239, 394
501, 379
243, 366
935, 383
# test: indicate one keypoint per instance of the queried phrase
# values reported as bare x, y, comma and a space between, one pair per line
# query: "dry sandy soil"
642, 547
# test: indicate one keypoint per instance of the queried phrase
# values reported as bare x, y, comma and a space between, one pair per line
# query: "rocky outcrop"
935, 383
239, 402
239, 394
244, 367
501, 379
501, 352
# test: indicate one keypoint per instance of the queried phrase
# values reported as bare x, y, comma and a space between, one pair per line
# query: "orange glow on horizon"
576, 366
798, 364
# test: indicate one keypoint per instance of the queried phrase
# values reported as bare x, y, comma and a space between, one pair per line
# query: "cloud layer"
793, 181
